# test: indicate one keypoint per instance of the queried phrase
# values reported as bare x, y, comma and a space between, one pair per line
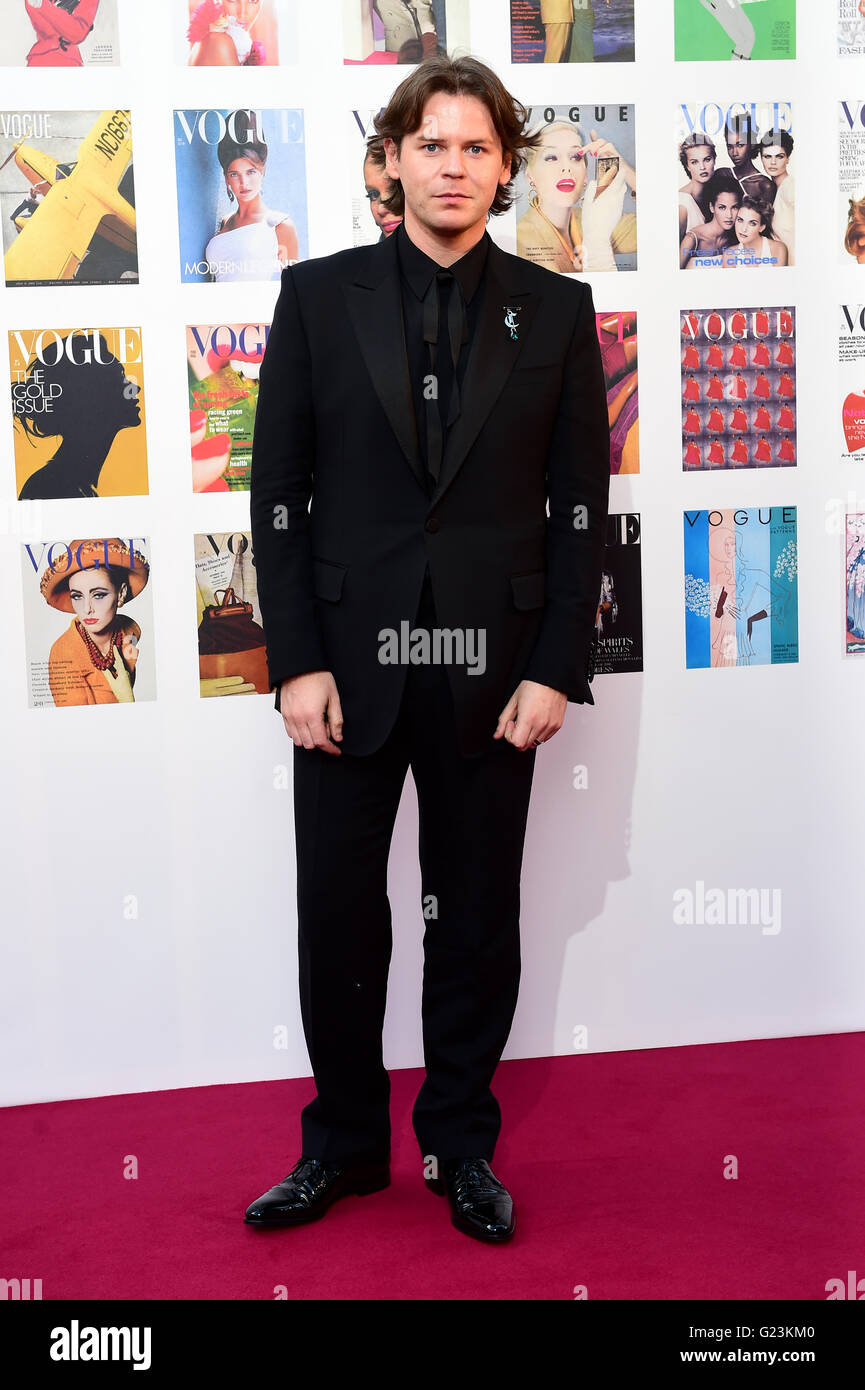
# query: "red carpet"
615, 1162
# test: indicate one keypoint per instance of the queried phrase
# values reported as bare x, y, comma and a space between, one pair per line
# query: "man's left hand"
533, 714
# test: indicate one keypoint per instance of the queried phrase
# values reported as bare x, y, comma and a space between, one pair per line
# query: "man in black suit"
430, 394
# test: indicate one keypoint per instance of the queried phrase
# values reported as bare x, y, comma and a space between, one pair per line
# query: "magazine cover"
59, 34
370, 184
851, 362
617, 335
742, 29
851, 28
78, 412
67, 200
575, 203
402, 31
88, 618
736, 193
741, 587
231, 646
572, 31
851, 181
235, 33
619, 622
738, 388
855, 583
222, 365
241, 193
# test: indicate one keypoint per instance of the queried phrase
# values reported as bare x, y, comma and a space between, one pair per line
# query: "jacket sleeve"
74, 27
578, 485
283, 453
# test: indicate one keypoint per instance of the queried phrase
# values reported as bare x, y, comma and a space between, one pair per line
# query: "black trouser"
472, 814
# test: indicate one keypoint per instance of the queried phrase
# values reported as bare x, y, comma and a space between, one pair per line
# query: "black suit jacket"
343, 526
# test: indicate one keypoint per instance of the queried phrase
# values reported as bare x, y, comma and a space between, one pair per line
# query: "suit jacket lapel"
374, 304
492, 356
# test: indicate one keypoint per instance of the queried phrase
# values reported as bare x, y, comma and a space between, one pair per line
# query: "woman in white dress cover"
255, 242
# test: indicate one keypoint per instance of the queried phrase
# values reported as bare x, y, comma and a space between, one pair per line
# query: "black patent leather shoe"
481, 1206
311, 1187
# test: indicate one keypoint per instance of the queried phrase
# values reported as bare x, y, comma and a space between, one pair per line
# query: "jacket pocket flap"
327, 578
529, 589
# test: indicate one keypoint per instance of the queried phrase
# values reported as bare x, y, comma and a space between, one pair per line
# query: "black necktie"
437, 412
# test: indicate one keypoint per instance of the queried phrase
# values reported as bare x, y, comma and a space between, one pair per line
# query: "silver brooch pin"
511, 319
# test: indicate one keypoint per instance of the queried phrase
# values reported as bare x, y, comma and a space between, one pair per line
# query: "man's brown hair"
458, 77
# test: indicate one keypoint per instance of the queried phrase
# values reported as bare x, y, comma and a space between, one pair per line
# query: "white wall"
739, 778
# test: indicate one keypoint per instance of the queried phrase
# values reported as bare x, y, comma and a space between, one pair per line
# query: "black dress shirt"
416, 271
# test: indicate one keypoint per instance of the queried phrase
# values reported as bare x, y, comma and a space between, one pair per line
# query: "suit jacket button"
432, 523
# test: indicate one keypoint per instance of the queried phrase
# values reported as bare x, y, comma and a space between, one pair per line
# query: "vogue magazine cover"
741, 587
572, 31
402, 31
231, 646
88, 619
617, 335
851, 28
58, 34
855, 583
736, 185
78, 412
738, 388
619, 622
222, 366
851, 181
576, 198
67, 200
738, 29
241, 193
370, 184
851, 367
235, 33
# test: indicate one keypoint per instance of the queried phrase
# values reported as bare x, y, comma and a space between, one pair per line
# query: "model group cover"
736, 192
572, 31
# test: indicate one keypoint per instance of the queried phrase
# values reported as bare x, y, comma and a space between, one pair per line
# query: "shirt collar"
418, 268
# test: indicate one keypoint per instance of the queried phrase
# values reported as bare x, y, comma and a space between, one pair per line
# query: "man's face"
451, 166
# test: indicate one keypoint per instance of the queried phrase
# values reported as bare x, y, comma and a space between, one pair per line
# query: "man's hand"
533, 712
310, 706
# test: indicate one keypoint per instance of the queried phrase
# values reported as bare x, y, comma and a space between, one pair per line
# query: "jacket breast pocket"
327, 579
529, 589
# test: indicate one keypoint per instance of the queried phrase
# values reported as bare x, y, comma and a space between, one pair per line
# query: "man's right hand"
309, 705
